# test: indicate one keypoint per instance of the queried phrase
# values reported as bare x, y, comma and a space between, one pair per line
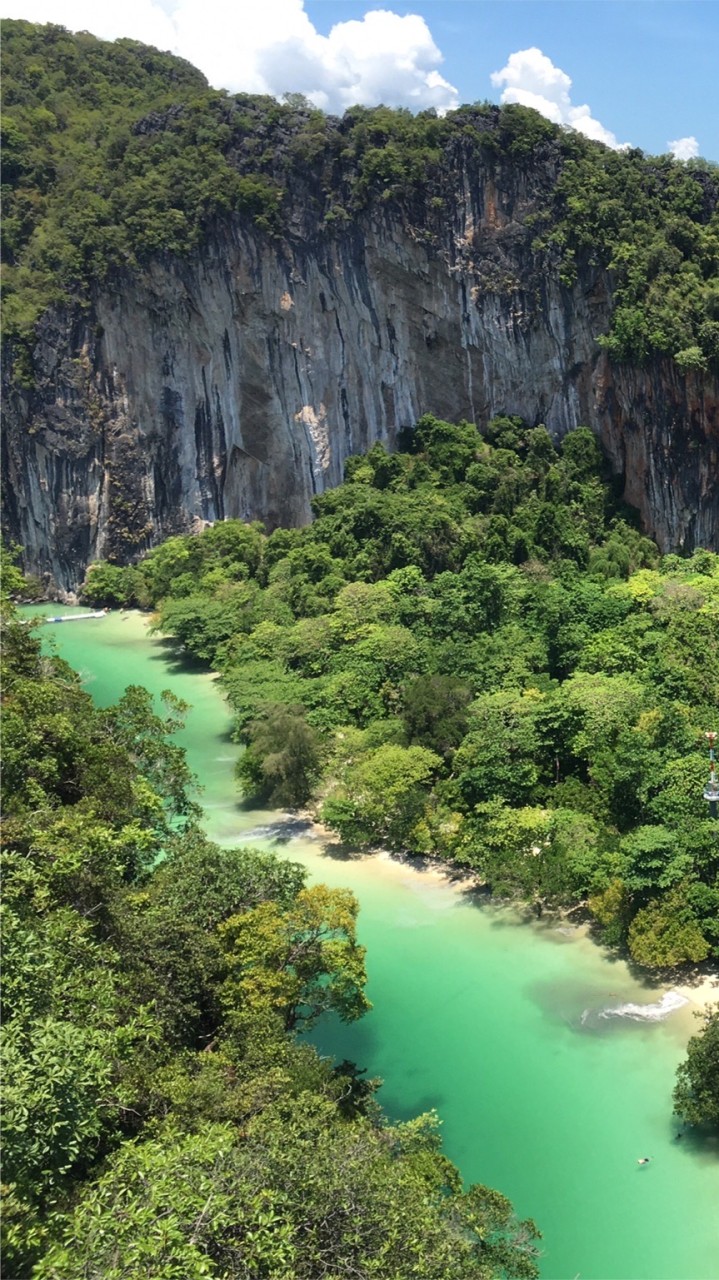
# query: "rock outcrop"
237, 382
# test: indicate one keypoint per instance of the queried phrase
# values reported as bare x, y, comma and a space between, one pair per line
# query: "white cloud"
272, 47
531, 79
141, 19
684, 148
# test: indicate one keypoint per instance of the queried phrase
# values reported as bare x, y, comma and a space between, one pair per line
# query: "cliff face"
237, 382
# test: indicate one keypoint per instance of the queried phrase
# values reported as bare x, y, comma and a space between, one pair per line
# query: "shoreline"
547, 1110
703, 993
698, 987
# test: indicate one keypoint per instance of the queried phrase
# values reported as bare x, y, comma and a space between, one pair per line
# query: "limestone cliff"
236, 382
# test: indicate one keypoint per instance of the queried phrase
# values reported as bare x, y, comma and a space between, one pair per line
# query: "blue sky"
638, 72
649, 69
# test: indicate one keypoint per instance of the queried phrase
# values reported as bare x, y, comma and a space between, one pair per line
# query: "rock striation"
236, 382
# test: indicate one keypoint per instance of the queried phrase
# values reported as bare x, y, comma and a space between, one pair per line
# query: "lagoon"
549, 1087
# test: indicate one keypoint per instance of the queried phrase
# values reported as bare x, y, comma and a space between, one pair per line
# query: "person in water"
644, 1160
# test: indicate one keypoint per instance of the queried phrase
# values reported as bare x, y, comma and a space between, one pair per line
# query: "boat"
77, 617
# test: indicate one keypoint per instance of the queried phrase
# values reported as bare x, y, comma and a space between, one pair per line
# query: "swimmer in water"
644, 1160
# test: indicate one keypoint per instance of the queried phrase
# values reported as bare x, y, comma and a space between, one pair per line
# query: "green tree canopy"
696, 1097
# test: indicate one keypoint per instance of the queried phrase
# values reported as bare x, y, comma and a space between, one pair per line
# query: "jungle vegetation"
696, 1096
161, 1118
473, 653
113, 153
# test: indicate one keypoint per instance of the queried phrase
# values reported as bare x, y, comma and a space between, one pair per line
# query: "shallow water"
551, 1067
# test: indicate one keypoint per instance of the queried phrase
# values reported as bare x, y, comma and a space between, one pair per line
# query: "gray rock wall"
237, 383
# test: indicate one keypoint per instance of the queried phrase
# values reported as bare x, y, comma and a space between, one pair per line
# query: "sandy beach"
702, 992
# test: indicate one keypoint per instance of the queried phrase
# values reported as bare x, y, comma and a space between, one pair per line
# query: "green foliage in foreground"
696, 1097
473, 653
116, 152
317, 1198
160, 1119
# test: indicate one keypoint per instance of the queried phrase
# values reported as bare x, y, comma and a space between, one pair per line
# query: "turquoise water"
492, 1021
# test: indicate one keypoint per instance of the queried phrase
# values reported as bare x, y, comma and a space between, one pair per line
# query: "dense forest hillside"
213, 300
160, 1118
115, 152
473, 652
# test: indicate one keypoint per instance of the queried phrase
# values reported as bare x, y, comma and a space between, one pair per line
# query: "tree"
499, 755
204, 623
258, 684
359, 606
281, 762
666, 933
295, 963
611, 906
206, 884
696, 1096
448, 447
57, 1079
381, 798
13, 583
471, 601
512, 849
133, 724
81, 859
59, 749
108, 584
298, 1193
674, 790
435, 712
652, 859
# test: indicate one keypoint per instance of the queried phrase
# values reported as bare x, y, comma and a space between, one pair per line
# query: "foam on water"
656, 1011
